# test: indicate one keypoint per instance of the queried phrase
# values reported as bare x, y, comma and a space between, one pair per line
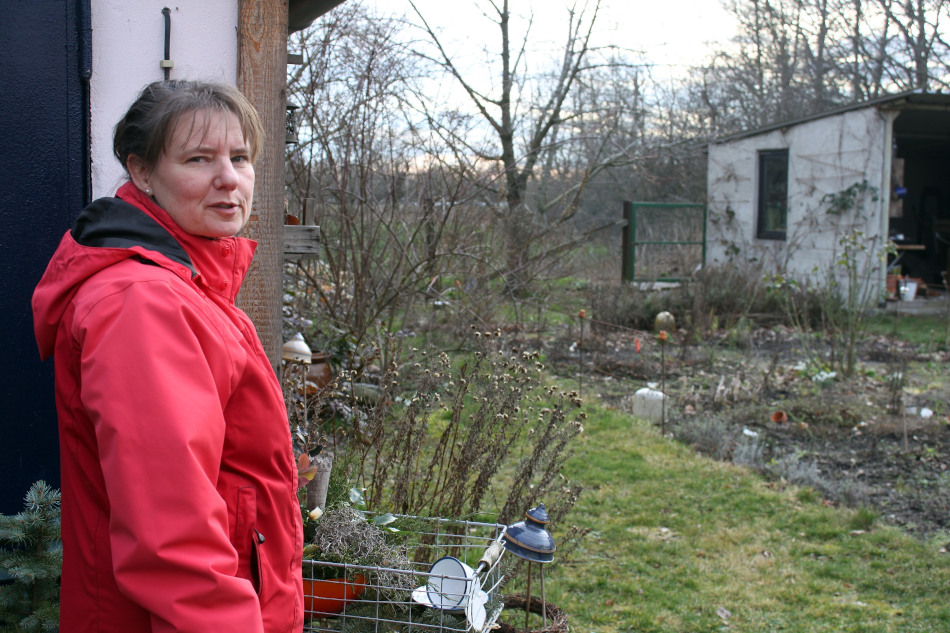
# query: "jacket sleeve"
155, 378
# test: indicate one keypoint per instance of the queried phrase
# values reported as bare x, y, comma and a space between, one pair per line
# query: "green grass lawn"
929, 331
682, 543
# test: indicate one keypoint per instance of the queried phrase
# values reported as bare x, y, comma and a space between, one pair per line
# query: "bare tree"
867, 55
363, 170
612, 99
920, 46
796, 57
527, 114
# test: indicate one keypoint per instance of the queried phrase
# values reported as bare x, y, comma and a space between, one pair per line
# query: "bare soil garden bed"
879, 440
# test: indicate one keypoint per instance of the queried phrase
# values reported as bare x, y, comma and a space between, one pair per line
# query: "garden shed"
71, 69
781, 198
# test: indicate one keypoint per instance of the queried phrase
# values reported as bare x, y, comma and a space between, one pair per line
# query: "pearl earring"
148, 191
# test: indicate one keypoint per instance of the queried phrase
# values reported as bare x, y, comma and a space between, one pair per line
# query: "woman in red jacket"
178, 479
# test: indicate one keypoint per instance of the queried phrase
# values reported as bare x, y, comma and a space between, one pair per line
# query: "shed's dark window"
773, 194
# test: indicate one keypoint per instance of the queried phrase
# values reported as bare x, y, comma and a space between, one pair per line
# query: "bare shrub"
451, 440
710, 435
627, 305
751, 453
831, 406
720, 296
851, 493
397, 236
717, 297
794, 469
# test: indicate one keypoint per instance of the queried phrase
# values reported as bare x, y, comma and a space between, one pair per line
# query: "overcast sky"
671, 32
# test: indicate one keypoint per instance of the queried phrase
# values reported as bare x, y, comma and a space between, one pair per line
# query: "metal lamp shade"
529, 539
296, 350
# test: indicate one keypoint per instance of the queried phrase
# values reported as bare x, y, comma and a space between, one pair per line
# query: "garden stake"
904, 423
544, 602
897, 304
530, 540
663, 389
580, 355
662, 336
539, 325
527, 606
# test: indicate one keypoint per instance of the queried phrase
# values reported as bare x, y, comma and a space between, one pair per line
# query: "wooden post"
626, 243
262, 77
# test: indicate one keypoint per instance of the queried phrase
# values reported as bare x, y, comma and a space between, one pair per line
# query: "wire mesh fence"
449, 580
663, 241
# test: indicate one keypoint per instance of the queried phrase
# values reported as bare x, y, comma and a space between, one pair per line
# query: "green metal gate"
662, 241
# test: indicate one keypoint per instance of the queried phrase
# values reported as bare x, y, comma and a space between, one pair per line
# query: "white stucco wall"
128, 42
825, 156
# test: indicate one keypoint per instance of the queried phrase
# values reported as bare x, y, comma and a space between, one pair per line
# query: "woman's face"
204, 178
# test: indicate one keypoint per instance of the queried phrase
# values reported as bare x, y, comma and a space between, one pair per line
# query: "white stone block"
648, 404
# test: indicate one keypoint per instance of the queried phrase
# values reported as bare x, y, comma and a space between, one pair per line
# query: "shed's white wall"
825, 156
128, 42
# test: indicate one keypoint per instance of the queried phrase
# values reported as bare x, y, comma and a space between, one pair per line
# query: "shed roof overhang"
302, 13
924, 124
926, 112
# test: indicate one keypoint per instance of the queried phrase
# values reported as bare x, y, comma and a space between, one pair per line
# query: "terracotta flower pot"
328, 597
890, 286
319, 374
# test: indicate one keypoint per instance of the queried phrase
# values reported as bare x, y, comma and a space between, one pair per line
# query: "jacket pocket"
257, 564
244, 536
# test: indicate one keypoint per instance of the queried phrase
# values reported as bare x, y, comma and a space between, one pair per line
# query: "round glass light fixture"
296, 350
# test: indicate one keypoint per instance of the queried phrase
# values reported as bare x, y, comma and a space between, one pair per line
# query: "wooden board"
301, 241
262, 77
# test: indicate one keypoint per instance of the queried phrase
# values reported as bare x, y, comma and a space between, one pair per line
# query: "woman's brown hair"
150, 122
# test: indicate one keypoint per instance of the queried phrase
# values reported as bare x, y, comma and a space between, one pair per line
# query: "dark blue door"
44, 183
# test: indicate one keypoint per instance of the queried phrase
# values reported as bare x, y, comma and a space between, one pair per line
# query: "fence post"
702, 262
626, 256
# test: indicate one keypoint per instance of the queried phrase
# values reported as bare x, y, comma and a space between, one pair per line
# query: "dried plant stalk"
445, 449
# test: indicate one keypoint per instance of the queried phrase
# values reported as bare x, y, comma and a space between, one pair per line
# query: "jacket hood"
108, 231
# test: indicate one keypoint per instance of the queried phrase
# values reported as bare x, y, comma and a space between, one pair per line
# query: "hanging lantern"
291, 123
296, 350
530, 540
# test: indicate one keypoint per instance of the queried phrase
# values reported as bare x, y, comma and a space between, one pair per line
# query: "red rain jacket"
179, 484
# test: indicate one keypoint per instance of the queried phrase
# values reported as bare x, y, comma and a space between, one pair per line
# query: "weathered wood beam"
262, 77
301, 241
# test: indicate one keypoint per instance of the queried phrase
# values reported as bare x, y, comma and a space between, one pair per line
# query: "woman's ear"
138, 172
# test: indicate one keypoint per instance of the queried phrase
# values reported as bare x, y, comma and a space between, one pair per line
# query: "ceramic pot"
329, 597
319, 373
